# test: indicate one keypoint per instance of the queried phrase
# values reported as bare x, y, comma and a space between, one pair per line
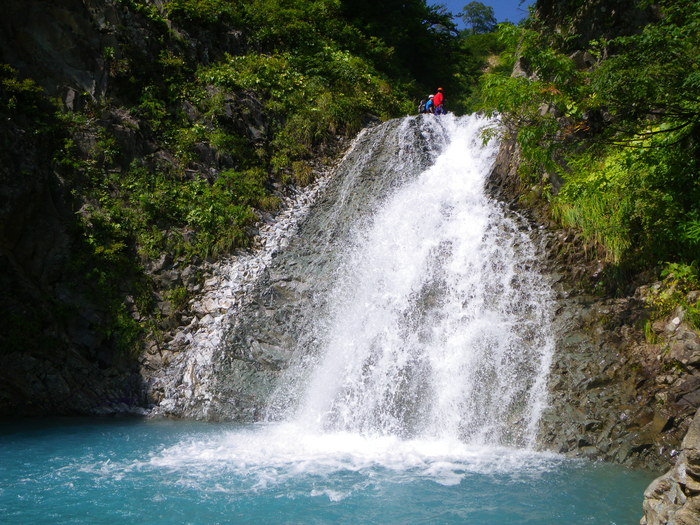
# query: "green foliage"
199, 218
203, 12
685, 276
105, 268
148, 210
153, 108
480, 53
649, 334
178, 297
693, 315
655, 72
314, 97
146, 9
478, 17
664, 301
306, 73
602, 216
302, 173
23, 101
18, 93
672, 293
534, 105
413, 43
633, 201
623, 133
272, 77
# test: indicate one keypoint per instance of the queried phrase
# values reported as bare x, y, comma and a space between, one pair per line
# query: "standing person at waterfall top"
438, 102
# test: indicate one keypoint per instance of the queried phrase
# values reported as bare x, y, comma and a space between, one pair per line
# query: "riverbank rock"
674, 498
613, 394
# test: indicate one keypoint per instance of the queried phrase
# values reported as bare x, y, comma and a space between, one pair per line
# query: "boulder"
674, 498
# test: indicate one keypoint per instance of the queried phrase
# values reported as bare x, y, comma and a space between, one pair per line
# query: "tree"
478, 17
423, 40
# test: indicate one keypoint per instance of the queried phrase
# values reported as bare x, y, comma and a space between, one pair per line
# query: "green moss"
649, 334
178, 297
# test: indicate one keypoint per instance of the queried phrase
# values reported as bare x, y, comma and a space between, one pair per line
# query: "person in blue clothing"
429, 108
421, 106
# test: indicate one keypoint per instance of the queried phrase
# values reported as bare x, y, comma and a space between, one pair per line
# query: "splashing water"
439, 326
434, 343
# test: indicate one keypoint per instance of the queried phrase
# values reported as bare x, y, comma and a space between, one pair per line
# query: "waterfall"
437, 322
403, 333
385, 361
406, 304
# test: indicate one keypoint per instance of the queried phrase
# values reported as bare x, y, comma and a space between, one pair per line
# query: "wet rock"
605, 369
674, 498
266, 300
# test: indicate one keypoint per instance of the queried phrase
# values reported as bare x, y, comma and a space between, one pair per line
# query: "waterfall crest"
437, 322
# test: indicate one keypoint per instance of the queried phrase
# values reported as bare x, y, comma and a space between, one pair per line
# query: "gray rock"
603, 365
263, 329
674, 498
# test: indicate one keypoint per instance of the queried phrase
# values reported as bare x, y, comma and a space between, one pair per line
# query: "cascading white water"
438, 325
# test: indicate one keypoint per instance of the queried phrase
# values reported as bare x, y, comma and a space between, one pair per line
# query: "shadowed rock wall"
57, 352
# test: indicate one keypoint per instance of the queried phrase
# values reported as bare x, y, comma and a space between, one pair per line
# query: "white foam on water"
273, 454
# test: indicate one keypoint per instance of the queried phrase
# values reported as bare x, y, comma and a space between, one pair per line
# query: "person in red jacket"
438, 102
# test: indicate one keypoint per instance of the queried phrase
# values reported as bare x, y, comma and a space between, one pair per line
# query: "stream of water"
418, 403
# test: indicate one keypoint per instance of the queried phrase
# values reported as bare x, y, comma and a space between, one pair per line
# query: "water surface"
134, 471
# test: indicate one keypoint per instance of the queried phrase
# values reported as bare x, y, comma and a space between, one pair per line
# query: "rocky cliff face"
54, 357
622, 388
58, 353
38, 371
275, 318
616, 392
584, 20
674, 498
625, 380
